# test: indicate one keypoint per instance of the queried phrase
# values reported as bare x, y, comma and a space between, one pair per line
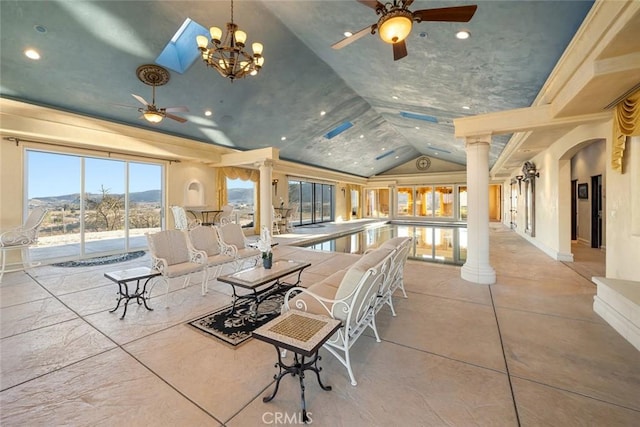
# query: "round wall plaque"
423, 163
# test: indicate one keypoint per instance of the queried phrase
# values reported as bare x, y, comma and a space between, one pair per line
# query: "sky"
51, 174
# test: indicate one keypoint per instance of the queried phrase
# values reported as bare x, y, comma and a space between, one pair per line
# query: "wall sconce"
520, 178
274, 182
529, 171
344, 192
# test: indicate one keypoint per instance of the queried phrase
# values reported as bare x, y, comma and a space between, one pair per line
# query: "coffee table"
123, 277
263, 282
303, 334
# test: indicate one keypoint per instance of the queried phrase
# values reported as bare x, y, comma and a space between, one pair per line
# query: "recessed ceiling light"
466, 107
361, 136
436, 153
284, 138
322, 113
417, 127
463, 35
355, 163
328, 154
208, 113
32, 54
40, 28
383, 148
394, 97
397, 157
348, 33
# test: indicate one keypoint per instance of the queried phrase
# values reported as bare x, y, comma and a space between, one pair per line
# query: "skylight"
417, 116
338, 130
181, 51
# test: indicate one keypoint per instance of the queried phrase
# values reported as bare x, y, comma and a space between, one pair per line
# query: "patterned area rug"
235, 327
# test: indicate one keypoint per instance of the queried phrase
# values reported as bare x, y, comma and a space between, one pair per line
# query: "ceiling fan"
154, 75
396, 21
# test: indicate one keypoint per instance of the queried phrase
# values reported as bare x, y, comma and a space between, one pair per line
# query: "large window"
241, 195
315, 201
431, 202
97, 206
377, 203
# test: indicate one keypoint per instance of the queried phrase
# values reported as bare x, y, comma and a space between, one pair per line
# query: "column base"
482, 275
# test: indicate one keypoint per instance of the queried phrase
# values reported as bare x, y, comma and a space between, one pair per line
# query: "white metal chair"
173, 256
226, 216
22, 237
276, 221
207, 240
292, 218
180, 219
235, 242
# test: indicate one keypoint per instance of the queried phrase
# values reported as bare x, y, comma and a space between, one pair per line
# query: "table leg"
126, 303
120, 297
296, 368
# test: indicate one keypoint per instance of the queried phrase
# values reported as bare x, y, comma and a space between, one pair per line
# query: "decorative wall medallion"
423, 163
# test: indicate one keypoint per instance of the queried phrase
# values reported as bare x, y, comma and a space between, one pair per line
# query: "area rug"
103, 260
236, 328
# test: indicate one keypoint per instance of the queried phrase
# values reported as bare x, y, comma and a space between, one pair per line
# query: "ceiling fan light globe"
152, 116
396, 28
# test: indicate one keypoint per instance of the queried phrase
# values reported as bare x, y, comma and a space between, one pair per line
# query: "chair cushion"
394, 242
170, 245
248, 253
232, 234
218, 260
205, 239
181, 269
323, 289
354, 274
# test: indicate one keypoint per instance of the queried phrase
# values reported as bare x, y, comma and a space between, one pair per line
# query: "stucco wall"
586, 163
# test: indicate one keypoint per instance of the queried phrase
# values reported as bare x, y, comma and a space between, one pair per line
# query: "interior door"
596, 211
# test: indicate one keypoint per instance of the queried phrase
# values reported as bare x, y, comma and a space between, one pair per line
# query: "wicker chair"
22, 237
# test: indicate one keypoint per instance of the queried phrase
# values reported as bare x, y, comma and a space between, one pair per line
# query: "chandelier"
227, 55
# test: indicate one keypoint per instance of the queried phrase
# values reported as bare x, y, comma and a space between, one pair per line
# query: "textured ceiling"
90, 52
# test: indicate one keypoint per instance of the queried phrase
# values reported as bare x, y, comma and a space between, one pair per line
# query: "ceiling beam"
520, 120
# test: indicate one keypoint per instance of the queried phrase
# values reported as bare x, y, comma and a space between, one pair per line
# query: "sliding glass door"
315, 201
97, 206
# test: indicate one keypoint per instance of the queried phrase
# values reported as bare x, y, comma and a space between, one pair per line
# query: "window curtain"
626, 122
245, 175
353, 187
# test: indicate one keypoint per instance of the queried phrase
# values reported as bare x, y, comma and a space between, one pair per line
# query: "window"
462, 197
405, 201
315, 201
98, 206
377, 203
241, 195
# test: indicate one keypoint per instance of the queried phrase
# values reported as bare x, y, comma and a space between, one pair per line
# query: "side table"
303, 334
123, 277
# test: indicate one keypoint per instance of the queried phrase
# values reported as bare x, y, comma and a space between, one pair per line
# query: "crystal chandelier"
227, 55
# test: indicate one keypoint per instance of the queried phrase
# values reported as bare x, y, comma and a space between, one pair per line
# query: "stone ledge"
618, 303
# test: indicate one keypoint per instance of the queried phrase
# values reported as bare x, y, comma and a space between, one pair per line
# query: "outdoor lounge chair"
22, 237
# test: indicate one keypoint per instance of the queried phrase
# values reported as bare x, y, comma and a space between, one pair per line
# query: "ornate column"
477, 268
266, 169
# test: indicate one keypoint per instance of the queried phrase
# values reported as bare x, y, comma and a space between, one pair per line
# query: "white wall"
588, 162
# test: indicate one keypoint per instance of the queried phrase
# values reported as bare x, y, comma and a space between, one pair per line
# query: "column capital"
263, 163
478, 139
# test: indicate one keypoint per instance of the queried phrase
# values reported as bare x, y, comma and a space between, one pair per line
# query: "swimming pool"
445, 244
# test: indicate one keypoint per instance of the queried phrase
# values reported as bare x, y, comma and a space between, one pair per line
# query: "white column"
266, 202
477, 268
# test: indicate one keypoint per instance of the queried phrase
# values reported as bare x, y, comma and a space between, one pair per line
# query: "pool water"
445, 244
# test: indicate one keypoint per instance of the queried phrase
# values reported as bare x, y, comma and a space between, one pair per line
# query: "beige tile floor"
526, 351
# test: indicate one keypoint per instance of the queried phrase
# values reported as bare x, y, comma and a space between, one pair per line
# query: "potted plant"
264, 245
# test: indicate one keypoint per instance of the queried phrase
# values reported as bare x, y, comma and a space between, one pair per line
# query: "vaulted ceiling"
90, 52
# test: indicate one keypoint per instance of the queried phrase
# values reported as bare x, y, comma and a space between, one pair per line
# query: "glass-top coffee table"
263, 282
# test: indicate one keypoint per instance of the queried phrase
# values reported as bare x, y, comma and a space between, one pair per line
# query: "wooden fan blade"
448, 14
174, 109
399, 50
348, 40
176, 118
373, 4
140, 99
407, 3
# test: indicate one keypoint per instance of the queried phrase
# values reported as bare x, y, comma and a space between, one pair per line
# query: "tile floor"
528, 351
